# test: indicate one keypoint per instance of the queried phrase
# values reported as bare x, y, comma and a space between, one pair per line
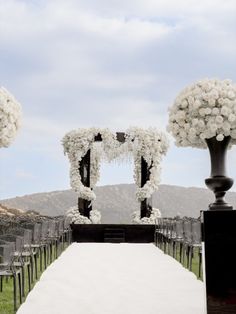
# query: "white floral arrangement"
153, 219
77, 218
95, 216
76, 144
204, 110
10, 117
151, 144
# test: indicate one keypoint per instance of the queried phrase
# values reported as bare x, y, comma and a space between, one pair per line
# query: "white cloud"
22, 174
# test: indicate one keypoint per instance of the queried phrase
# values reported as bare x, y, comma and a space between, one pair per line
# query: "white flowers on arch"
10, 116
151, 144
77, 218
204, 110
153, 219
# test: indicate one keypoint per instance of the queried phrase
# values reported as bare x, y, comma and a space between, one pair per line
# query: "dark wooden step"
114, 235
114, 230
114, 240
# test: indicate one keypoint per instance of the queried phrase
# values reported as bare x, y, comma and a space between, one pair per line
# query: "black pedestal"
219, 237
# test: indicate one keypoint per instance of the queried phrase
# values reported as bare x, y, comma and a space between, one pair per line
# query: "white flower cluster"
151, 144
76, 144
95, 216
204, 110
10, 116
155, 214
77, 218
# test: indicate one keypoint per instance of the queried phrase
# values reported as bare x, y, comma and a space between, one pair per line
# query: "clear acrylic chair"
196, 243
8, 269
26, 254
187, 226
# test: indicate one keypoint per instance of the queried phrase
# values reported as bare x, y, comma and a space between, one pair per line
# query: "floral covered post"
204, 115
148, 146
85, 206
145, 205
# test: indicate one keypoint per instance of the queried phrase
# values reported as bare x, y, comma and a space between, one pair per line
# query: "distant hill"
117, 202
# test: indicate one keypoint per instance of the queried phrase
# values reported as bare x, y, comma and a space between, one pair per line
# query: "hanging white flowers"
10, 116
204, 110
76, 144
151, 144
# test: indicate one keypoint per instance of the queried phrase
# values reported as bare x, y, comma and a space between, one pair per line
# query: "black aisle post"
219, 238
145, 205
85, 206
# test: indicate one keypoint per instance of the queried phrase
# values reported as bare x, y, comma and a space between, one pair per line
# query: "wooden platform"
113, 233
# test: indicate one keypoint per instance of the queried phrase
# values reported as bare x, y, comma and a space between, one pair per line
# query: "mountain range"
117, 202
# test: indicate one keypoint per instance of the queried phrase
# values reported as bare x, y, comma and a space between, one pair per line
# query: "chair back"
17, 240
25, 233
44, 229
196, 232
52, 228
187, 231
179, 229
6, 255
37, 232
60, 225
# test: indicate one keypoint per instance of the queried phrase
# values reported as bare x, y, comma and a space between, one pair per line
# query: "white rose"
202, 112
182, 133
215, 111
201, 124
231, 95
195, 122
184, 103
208, 111
233, 134
221, 101
224, 111
190, 100
220, 137
212, 102
187, 126
213, 127
214, 94
196, 104
202, 136
192, 131
219, 119
226, 126
232, 117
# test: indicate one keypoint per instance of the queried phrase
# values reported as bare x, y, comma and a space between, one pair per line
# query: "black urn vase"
218, 182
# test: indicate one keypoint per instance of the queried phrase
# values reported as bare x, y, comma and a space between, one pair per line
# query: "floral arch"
86, 148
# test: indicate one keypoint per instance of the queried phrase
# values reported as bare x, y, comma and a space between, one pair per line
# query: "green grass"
6, 297
195, 261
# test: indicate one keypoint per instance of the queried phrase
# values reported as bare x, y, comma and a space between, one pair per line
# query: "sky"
105, 63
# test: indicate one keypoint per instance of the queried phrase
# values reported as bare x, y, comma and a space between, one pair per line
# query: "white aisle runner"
102, 278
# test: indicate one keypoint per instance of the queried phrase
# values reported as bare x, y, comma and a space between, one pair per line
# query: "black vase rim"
214, 137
